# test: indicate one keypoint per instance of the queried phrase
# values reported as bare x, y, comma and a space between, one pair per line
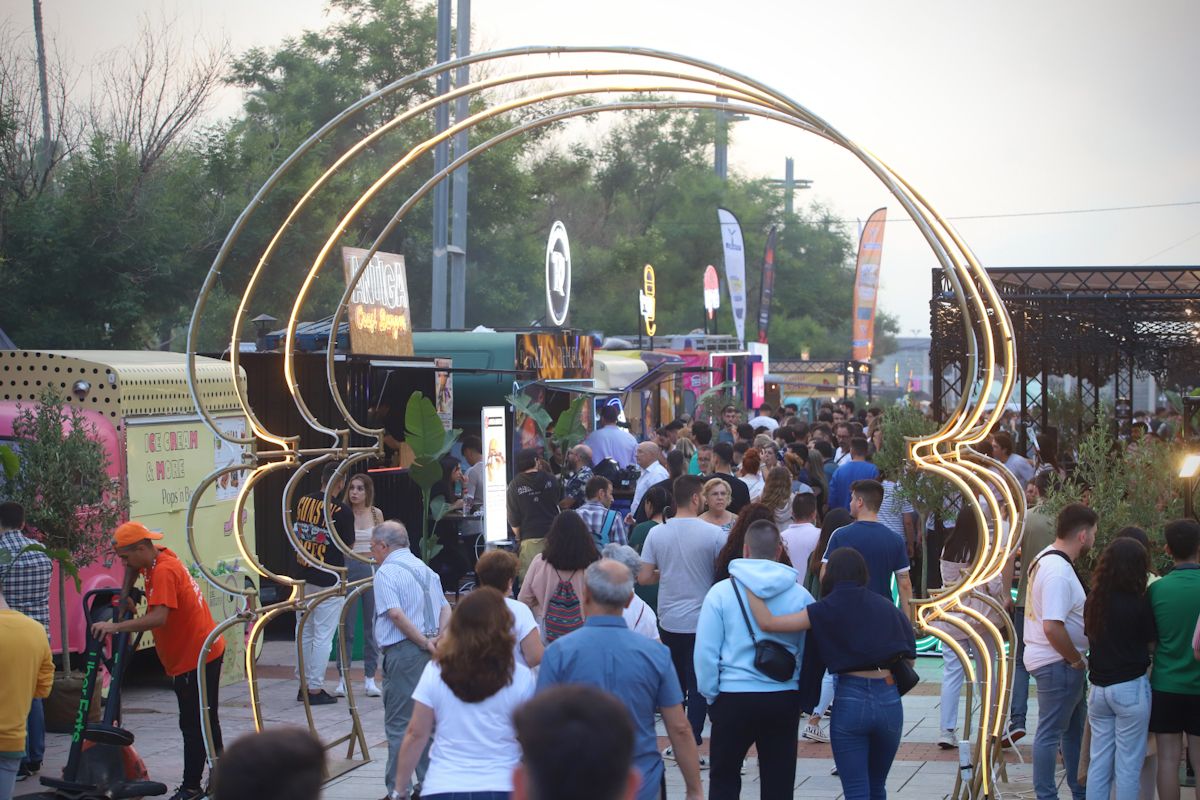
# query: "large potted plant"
429, 440
71, 506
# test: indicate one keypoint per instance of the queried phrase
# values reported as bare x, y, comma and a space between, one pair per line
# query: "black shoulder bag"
904, 675
770, 657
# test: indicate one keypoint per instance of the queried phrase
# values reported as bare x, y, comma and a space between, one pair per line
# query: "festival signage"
170, 458
768, 287
735, 269
494, 425
380, 322
646, 300
558, 275
712, 290
866, 286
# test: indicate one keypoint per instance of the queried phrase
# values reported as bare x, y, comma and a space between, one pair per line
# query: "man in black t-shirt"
312, 529
532, 505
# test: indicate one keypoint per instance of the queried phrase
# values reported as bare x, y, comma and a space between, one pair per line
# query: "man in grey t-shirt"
679, 555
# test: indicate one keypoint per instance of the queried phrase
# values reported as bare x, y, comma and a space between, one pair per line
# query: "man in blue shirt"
856, 469
610, 440
607, 654
882, 548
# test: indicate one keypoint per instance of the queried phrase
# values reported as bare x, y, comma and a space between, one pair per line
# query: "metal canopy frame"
1098, 324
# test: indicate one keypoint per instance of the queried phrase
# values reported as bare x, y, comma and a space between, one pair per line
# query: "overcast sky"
992, 110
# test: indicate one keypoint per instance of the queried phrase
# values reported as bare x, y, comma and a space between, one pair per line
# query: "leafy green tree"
70, 501
927, 493
1125, 484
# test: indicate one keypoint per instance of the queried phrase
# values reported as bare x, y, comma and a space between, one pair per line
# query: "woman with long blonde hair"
777, 495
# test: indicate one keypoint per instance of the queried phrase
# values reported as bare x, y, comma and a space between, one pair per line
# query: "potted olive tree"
71, 506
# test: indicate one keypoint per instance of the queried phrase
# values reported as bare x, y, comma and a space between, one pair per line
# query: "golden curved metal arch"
989, 490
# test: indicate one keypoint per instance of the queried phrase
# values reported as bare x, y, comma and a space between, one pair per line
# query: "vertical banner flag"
768, 287
712, 290
866, 285
735, 269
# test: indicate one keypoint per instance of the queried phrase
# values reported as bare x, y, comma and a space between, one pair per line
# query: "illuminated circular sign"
558, 274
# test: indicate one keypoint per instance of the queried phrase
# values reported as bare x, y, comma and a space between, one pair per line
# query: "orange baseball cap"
131, 533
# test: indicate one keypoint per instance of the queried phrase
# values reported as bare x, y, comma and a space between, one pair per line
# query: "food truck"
159, 450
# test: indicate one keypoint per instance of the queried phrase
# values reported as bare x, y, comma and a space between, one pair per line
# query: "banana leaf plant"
429, 440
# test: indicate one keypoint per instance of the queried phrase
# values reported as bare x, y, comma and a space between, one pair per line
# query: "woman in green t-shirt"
655, 504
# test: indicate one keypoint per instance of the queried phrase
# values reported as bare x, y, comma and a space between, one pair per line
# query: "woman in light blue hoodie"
745, 706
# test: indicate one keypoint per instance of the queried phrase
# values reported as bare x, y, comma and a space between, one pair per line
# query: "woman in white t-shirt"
465, 699
498, 569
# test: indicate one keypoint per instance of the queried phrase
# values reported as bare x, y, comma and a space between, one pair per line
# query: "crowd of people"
759, 581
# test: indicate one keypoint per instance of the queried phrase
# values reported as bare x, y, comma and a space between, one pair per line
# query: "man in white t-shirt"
498, 569
1055, 650
679, 556
801, 537
764, 419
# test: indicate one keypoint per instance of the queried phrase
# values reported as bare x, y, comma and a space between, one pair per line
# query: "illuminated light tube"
989, 333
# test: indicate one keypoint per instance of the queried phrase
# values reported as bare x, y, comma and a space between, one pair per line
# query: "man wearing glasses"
410, 610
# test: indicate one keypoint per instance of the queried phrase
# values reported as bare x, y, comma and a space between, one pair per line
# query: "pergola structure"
1095, 323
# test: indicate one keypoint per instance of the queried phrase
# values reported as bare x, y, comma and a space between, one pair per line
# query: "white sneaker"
669, 754
948, 740
814, 733
372, 689
340, 689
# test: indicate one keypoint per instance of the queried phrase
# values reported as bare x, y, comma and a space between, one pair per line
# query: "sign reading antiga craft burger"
380, 323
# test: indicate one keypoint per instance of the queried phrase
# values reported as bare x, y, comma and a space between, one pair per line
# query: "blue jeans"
1019, 706
1120, 715
1061, 711
864, 731
468, 796
35, 732
356, 570
8, 776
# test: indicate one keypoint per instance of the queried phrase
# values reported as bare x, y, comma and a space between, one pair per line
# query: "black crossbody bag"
770, 657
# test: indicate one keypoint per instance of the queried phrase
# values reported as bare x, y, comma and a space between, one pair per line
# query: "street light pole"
790, 184
458, 230
441, 192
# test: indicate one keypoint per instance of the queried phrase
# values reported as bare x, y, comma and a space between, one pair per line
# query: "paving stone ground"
921, 771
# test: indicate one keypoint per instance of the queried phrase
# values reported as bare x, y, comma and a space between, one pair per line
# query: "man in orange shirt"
181, 621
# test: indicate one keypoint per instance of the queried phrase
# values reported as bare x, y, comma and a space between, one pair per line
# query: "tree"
71, 504
121, 223
1125, 484
927, 493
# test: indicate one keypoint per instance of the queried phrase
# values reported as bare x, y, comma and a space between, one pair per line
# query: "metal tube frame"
990, 353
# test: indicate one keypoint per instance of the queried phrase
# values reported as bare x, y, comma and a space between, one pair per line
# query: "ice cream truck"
160, 450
